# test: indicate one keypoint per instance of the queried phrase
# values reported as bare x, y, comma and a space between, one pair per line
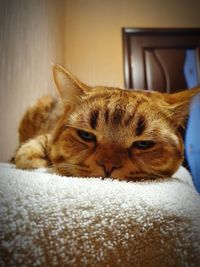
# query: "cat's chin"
134, 176
137, 178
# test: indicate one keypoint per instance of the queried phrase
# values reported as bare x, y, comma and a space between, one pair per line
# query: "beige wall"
93, 48
83, 35
31, 37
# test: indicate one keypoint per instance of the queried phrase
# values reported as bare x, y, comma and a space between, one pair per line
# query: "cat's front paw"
33, 154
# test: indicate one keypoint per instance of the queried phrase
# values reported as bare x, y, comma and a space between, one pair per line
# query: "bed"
49, 220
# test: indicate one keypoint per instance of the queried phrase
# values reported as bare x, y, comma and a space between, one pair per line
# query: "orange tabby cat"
104, 132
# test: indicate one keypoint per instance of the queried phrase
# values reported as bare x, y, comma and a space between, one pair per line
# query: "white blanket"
48, 220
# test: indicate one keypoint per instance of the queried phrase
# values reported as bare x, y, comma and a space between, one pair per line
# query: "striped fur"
101, 131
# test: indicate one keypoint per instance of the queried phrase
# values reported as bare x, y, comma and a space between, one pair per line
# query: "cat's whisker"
67, 165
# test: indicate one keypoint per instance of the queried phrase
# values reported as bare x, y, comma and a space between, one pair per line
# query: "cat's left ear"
68, 87
180, 104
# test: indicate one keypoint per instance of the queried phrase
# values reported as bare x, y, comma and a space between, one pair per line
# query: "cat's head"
111, 132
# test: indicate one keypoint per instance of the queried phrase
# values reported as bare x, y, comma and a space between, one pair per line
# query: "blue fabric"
192, 138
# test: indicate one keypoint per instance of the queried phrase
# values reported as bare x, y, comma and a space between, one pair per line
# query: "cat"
104, 132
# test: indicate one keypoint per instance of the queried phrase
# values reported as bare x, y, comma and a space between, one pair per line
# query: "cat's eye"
86, 136
142, 145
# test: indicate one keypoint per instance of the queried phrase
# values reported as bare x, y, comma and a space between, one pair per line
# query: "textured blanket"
48, 220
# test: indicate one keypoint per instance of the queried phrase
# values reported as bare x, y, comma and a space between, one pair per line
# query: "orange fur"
39, 119
104, 132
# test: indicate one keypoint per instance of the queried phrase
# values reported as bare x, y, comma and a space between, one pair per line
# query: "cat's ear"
180, 104
68, 87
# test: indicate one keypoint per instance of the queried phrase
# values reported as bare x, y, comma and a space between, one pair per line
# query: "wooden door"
154, 59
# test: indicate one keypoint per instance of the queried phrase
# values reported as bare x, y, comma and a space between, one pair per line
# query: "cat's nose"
110, 157
109, 167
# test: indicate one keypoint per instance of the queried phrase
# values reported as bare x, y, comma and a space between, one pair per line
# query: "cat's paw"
33, 154
24, 162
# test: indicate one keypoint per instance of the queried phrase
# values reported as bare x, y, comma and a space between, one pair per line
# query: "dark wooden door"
154, 59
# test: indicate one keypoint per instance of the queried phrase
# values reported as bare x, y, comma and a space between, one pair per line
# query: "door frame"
129, 33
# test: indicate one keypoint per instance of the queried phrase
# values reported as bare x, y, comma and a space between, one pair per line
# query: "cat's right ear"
68, 87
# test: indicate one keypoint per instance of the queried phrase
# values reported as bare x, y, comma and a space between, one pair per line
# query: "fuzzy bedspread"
48, 220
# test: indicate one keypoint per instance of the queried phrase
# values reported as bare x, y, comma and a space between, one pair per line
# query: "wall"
93, 47
31, 37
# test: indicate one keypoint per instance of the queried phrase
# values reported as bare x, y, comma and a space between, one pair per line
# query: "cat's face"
109, 132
